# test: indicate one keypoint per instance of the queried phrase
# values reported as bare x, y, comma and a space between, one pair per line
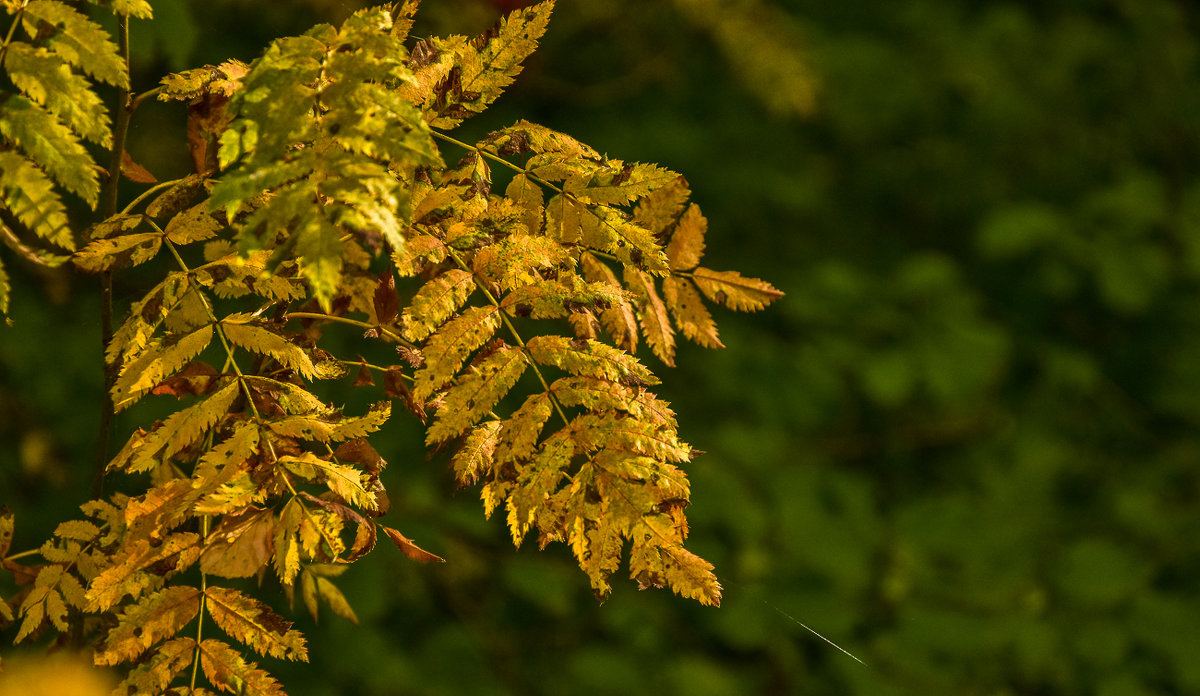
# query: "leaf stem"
205, 522
516, 336
136, 101
111, 191
149, 192
12, 30
352, 322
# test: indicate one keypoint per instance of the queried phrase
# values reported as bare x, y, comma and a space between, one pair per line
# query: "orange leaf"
409, 548
135, 172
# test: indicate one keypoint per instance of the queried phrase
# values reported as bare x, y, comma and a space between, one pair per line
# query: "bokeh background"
965, 446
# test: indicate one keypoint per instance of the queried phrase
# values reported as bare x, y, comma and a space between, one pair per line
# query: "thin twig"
111, 191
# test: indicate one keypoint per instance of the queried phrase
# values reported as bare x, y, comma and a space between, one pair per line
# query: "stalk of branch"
111, 190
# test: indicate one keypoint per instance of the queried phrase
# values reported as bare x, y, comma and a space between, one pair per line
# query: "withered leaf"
240, 545
409, 548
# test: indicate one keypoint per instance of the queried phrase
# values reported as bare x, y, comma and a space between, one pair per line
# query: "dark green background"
964, 446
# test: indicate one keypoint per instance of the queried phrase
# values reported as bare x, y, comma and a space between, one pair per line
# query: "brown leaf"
240, 546
195, 379
6, 530
363, 378
361, 452
409, 548
387, 303
135, 172
394, 387
364, 538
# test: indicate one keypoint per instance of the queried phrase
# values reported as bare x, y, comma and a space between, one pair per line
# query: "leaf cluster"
321, 197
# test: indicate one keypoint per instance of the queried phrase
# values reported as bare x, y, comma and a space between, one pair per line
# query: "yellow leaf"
33, 612
536, 481
157, 673
251, 622
618, 183
335, 599
449, 347
144, 317
123, 575
474, 458
691, 316
225, 669
592, 393
73, 529
687, 241
659, 211
147, 621
729, 288
195, 224
528, 195
418, 252
519, 434
238, 329
605, 229
590, 359
656, 325
155, 364
175, 198
476, 391
179, 431
118, 252
519, 259
435, 302
349, 428
346, 482
287, 550
594, 431
482, 69
160, 509
236, 494
220, 463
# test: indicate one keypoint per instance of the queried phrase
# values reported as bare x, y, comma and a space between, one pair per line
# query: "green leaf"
50, 145
46, 79
132, 8
77, 40
118, 252
31, 197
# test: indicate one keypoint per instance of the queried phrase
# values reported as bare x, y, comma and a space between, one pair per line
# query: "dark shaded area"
964, 447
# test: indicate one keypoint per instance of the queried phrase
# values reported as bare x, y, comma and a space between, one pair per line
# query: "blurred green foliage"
966, 445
